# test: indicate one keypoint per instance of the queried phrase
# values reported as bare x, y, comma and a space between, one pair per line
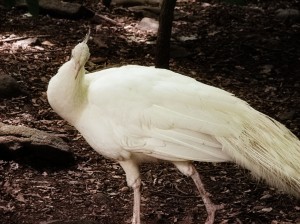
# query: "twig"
177, 188
27, 53
22, 38
98, 18
12, 39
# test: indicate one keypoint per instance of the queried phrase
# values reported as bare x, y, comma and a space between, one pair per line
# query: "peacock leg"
189, 170
136, 218
211, 208
134, 181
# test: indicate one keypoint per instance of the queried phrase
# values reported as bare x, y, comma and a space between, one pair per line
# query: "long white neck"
67, 94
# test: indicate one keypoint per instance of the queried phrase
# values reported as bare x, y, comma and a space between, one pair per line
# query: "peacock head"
81, 54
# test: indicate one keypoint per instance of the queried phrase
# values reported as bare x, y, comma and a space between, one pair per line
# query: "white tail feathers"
269, 150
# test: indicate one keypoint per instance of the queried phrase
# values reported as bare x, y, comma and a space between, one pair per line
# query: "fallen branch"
33, 147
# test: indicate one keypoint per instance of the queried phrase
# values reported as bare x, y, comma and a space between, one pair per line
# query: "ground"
246, 50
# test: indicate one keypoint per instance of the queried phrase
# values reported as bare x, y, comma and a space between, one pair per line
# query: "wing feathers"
190, 148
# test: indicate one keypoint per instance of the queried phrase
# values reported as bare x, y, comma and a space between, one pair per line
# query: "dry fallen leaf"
47, 43
20, 197
267, 209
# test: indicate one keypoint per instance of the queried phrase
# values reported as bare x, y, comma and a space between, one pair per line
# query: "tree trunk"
164, 34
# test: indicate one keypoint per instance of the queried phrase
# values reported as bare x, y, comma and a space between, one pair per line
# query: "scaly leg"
136, 218
133, 180
189, 170
211, 208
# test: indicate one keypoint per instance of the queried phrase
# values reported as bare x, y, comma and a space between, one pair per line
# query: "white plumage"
135, 113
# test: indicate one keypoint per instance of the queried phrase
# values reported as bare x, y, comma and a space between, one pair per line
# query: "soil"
246, 50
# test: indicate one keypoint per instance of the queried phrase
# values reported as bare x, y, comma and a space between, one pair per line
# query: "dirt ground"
246, 50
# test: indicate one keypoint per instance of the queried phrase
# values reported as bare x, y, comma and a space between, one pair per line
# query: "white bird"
134, 114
